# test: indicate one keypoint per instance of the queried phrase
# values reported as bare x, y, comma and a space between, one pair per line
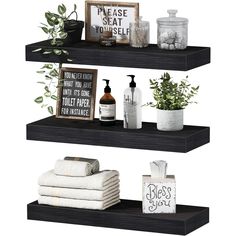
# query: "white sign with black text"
110, 16
159, 195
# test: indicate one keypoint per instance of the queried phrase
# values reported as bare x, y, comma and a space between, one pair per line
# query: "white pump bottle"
132, 106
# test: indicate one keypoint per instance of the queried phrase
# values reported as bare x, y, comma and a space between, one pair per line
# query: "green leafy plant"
169, 95
50, 80
55, 27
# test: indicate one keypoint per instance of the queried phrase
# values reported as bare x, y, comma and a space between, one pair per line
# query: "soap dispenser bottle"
132, 106
107, 107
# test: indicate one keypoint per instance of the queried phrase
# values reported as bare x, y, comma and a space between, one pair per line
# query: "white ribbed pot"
170, 120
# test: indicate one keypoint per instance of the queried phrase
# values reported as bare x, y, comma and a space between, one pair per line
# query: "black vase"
74, 30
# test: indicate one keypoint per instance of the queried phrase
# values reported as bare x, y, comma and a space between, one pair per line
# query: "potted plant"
170, 100
60, 28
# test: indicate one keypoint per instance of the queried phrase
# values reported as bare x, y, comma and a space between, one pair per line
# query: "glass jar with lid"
172, 32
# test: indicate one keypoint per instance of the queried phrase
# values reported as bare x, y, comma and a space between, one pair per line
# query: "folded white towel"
84, 194
99, 180
76, 166
65, 202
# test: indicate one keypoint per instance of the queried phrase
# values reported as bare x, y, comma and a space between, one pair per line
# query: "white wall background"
205, 176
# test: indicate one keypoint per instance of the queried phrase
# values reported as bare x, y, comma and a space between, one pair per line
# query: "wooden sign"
115, 16
159, 195
77, 94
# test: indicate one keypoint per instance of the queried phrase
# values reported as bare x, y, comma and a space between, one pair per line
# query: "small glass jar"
172, 32
139, 33
106, 39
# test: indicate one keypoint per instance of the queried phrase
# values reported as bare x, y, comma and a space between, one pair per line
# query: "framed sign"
76, 94
106, 16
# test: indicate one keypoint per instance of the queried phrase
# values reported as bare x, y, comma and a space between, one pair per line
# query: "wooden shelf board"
92, 133
125, 215
152, 57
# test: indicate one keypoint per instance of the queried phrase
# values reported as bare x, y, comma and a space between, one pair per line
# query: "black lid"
132, 84
107, 89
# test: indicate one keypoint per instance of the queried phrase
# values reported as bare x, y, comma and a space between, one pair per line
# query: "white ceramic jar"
172, 32
170, 120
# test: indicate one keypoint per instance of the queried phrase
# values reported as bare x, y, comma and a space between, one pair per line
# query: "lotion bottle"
107, 107
132, 106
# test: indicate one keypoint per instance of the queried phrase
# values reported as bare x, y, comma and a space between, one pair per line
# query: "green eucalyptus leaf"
54, 34
61, 24
57, 52
65, 52
41, 71
59, 43
44, 24
46, 89
60, 20
60, 10
45, 30
48, 15
47, 52
50, 110
50, 31
49, 18
51, 23
39, 99
63, 35
47, 94
37, 50
47, 66
54, 97
53, 73
64, 7
53, 43
55, 15
47, 77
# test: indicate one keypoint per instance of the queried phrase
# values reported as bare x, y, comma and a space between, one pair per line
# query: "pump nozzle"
107, 81
132, 84
107, 89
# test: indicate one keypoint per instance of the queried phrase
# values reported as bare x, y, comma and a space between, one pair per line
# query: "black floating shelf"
126, 215
92, 133
124, 56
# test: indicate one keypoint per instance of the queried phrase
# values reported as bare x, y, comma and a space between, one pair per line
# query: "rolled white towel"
99, 180
75, 203
76, 166
83, 194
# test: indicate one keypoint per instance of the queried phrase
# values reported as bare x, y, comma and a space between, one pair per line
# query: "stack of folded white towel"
77, 182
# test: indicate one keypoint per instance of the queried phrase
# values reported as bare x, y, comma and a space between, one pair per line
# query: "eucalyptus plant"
169, 95
49, 82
